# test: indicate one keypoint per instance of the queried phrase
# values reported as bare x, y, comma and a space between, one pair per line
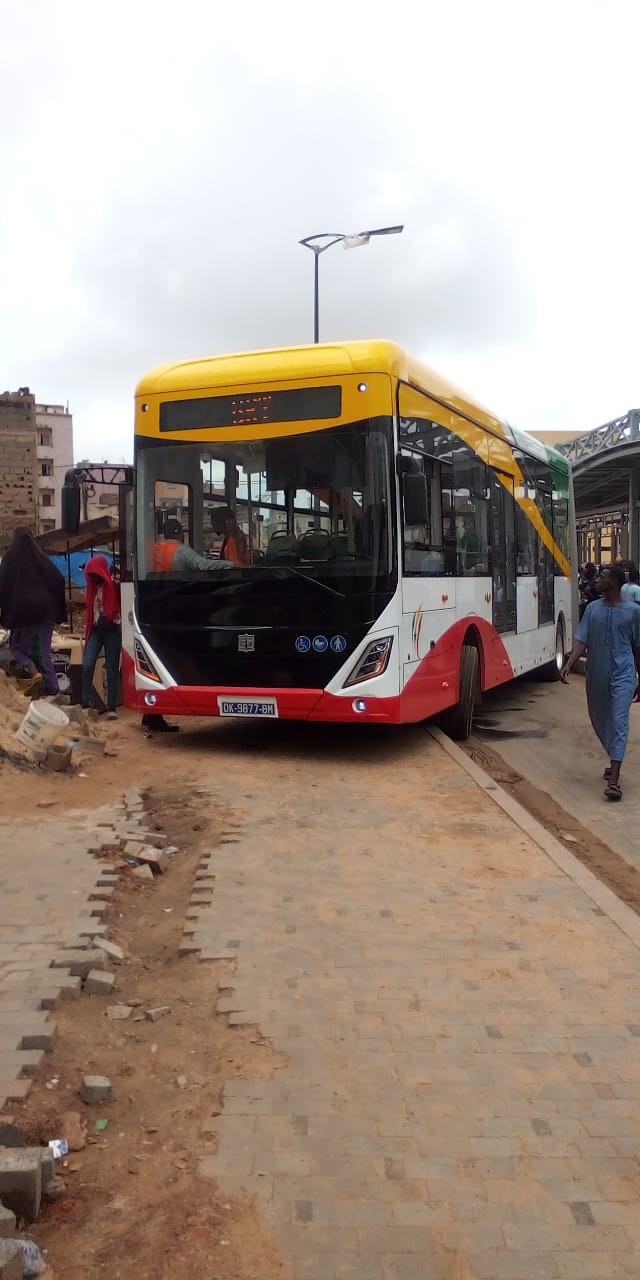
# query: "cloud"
163, 168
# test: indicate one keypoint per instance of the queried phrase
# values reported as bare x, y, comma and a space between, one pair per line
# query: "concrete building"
36, 448
18, 463
54, 453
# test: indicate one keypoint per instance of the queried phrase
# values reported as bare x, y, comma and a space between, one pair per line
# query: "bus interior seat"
282, 545
316, 544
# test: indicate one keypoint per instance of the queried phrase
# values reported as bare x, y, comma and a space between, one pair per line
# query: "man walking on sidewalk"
609, 634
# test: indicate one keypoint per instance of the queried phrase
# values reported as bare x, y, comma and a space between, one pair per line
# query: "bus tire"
551, 670
458, 721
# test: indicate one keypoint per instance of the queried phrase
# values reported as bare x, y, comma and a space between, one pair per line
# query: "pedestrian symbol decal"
338, 644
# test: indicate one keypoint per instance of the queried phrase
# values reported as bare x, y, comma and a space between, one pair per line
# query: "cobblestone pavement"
52, 894
461, 1018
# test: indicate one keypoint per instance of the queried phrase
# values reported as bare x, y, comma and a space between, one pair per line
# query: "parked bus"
337, 533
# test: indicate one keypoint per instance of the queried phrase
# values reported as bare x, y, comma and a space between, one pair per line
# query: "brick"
157, 859
96, 1089
11, 1260
154, 1015
79, 962
23, 1062
44, 1039
21, 1182
111, 949
99, 983
143, 873
7, 1222
154, 838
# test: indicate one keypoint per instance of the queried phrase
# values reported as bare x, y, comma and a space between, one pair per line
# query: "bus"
336, 533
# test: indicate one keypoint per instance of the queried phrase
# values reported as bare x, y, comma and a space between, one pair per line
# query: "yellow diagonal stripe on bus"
496, 451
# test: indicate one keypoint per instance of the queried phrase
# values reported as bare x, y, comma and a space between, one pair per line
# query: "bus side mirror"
70, 507
415, 499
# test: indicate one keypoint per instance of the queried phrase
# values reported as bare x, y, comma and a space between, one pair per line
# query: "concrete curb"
618, 912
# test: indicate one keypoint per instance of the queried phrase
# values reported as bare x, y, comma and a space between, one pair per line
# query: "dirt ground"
622, 878
134, 1205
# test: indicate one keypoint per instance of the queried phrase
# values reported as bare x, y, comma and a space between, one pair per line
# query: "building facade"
54, 454
18, 463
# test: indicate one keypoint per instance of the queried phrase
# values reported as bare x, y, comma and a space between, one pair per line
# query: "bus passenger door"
503, 549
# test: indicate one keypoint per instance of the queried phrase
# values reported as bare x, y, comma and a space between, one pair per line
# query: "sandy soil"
608, 866
134, 1205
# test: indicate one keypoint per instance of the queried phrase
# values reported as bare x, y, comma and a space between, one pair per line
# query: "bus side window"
423, 543
560, 501
526, 540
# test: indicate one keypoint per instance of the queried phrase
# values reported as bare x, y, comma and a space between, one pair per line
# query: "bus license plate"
248, 707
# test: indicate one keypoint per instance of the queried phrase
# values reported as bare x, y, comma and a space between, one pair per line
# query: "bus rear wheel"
551, 670
458, 721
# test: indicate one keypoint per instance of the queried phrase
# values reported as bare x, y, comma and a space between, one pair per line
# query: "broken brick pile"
48, 966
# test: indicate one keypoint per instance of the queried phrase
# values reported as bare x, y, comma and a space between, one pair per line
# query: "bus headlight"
373, 662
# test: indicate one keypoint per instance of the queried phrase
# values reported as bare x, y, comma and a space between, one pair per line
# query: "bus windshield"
317, 504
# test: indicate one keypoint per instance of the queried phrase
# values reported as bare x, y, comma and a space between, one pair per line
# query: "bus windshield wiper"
307, 578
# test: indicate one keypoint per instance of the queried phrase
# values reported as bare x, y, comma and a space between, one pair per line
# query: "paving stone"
11, 1260
154, 1015
43, 1039
436, 1101
155, 838
118, 1012
96, 1089
143, 873
157, 859
79, 962
21, 1182
111, 949
7, 1222
99, 983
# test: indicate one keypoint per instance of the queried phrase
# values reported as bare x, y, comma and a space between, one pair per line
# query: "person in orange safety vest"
172, 556
234, 544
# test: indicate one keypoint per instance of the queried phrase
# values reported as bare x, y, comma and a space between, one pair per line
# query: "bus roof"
331, 359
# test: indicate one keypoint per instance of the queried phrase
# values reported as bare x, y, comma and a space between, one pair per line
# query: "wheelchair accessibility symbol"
303, 644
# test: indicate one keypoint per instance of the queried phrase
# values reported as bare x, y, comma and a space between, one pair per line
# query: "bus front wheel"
551, 670
458, 721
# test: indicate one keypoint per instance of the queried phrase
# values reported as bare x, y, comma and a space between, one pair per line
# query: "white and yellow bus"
389, 548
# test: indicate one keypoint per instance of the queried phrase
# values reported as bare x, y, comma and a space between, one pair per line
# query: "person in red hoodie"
103, 631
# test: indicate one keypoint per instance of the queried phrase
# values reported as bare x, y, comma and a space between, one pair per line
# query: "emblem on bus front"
246, 644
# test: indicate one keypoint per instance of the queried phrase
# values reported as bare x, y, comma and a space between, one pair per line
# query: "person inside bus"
587, 586
235, 547
173, 555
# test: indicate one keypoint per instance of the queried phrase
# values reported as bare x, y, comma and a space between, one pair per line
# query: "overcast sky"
160, 162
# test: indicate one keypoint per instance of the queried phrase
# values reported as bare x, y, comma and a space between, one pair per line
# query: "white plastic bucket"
41, 725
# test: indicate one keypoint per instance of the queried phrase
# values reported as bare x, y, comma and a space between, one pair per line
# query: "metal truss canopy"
621, 431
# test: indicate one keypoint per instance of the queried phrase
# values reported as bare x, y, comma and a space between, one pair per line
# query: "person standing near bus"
631, 589
609, 634
103, 631
32, 601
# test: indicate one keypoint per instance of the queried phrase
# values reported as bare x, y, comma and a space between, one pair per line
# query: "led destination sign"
259, 408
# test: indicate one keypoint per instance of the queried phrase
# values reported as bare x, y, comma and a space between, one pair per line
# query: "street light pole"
325, 240
316, 312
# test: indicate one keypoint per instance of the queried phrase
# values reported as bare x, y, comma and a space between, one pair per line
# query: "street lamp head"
325, 240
